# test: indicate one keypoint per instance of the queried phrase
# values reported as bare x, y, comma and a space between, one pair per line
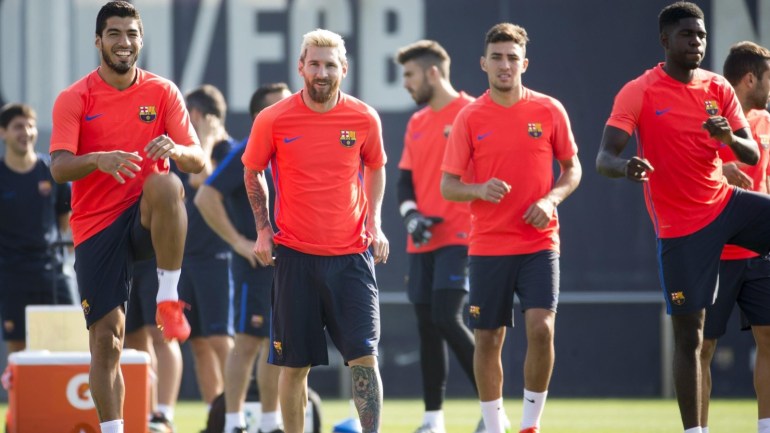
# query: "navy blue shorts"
534, 278
689, 265
206, 285
21, 288
444, 268
104, 263
141, 299
252, 287
747, 283
311, 293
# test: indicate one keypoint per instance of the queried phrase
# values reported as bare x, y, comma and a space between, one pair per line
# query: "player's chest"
130, 117
328, 142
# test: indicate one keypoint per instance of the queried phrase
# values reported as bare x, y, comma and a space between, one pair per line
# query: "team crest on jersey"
764, 140
86, 307
535, 129
257, 321
278, 348
147, 113
677, 298
474, 311
711, 107
44, 187
447, 130
348, 138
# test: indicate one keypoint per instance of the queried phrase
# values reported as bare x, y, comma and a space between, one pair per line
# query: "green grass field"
561, 416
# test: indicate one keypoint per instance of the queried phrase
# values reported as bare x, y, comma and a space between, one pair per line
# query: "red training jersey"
92, 116
759, 121
686, 191
424, 143
317, 161
516, 144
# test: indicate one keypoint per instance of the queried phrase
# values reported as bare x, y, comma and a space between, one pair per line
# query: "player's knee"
540, 332
489, 339
106, 346
163, 189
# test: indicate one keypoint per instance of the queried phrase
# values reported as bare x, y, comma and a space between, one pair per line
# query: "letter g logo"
79, 393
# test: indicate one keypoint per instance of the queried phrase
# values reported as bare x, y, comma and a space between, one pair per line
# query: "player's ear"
98, 42
483, 63
524, 65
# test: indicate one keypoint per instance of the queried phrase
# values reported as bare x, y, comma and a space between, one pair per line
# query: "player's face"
20, 135
416, 82
760, 94
323, 73
504, 63
685, 43
120, 43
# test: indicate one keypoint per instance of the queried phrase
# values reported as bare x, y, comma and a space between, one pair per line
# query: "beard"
423, 94
321, 96
121, 68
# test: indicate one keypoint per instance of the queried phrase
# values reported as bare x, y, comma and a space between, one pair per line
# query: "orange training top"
518, 145
92, 116
317, 161
424, 143
686, 191
759, 121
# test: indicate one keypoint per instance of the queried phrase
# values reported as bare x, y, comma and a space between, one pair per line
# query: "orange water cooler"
50, 393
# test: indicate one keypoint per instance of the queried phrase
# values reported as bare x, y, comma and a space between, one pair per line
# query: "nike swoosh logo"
90, 118
456, 277
663, 111
529, 400
290, 139
483, 136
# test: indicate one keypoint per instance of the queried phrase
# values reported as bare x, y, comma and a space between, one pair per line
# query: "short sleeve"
260, 147
67, 112
373, 150
178, 125
627, 107
406, 159
563, 141
731, 108
459, 147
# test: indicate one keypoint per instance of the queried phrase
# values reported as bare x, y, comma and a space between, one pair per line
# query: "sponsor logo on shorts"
278, 348
9, 326
348, 138
712, 108
677, 298
86, 307
44, 187
474, 311
257, 321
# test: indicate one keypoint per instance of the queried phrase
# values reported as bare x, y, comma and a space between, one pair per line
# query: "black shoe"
278, 430
239, 430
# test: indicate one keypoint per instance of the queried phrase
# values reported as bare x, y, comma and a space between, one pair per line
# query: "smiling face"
20, 135
323, 71
504, 62
120, 44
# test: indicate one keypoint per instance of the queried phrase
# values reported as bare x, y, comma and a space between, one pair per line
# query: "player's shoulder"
79, 89
476, 106
147, 79
355, 105
759, 119
542, 99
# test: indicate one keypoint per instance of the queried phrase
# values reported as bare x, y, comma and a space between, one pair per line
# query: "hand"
736, 177
380, 246
493, 190
417, 226
245, 248
263, 248
118, 164
161, 147
638, 169
719, 128
540, 213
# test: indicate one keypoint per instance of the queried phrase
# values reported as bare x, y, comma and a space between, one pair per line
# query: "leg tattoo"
367, 395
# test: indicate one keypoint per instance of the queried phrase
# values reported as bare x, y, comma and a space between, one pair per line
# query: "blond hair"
323, 38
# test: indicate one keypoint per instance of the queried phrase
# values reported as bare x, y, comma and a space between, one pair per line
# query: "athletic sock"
167, 285
435, 419
114, 426
269, 421
763, 425
694, 430
233, 420
534, 402
704, 429
492, 412
167, 411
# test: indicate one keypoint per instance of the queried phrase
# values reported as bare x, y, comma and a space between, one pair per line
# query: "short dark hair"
506, 32
427, 53
120, 9
745, 57
671, 14
259, 98
208, 100
9, 111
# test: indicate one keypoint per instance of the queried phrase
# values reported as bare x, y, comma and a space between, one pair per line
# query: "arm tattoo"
367, 395
256, 189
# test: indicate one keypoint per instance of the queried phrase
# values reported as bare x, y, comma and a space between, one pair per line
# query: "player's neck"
683, 75
507, 98
118, 81
443, 95
20, 163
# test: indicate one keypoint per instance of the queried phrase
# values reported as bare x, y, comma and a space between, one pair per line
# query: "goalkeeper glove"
418, 225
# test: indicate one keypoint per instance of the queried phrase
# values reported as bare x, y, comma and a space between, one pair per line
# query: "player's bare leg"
267, 379
538, 364
292, 391
688, 338
169, 370
488, 369
762, 370
706, 355
210, 355
141, 340
163, 213
105, 339
367, 392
